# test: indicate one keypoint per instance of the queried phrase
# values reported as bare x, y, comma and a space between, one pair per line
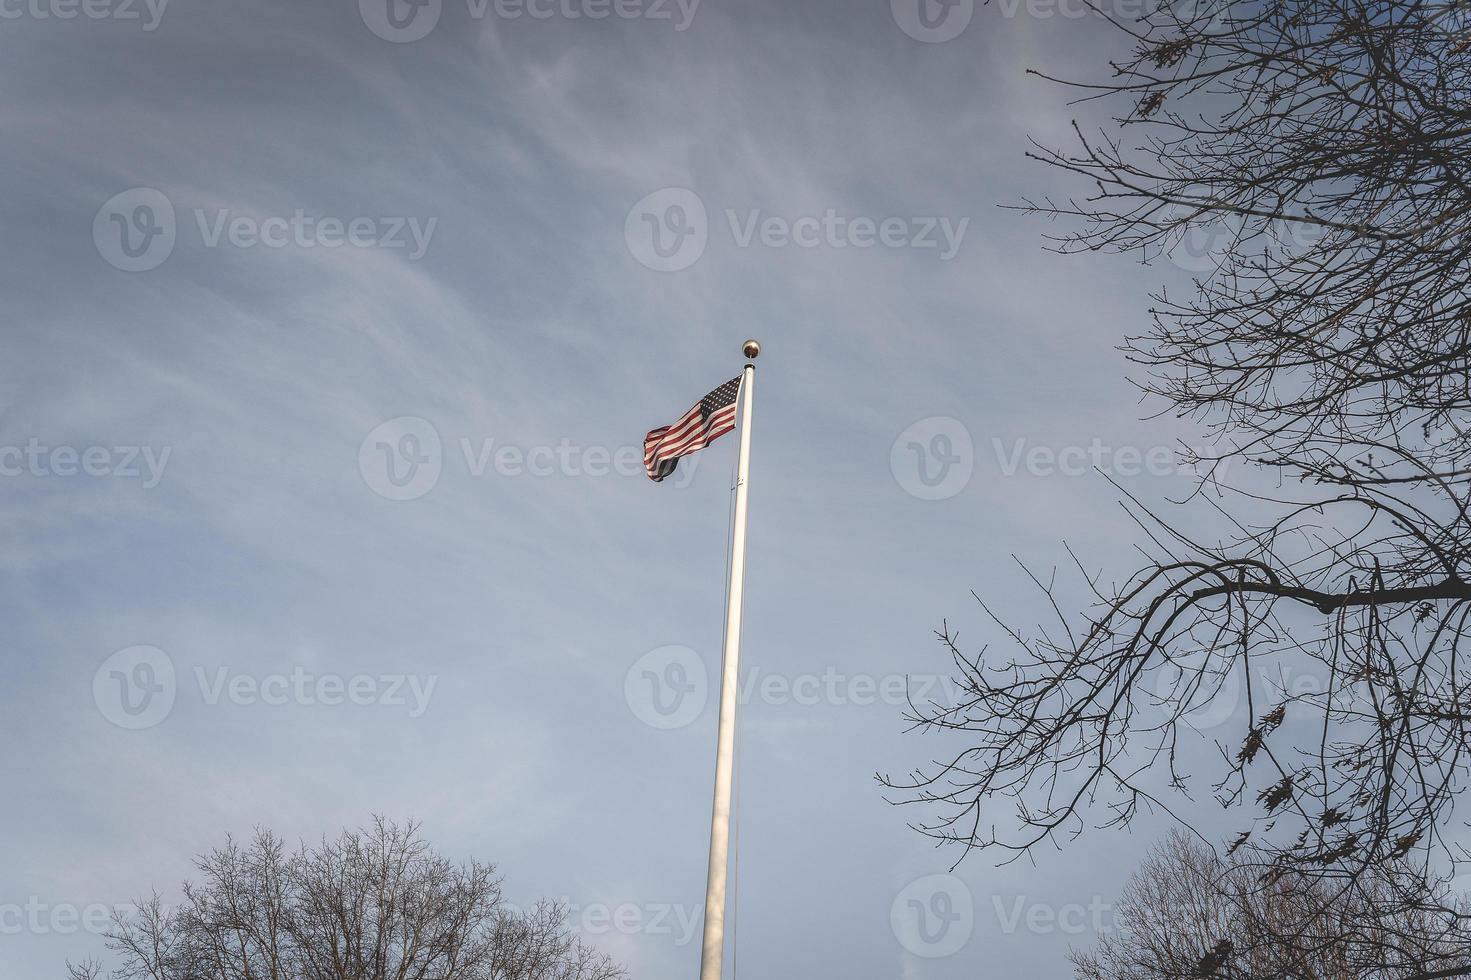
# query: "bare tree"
371, 905
1186, 913
1325, 144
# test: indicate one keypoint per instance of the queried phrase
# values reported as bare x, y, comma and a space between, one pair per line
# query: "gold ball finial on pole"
752, 349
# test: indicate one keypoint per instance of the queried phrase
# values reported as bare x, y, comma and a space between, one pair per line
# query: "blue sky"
252, 247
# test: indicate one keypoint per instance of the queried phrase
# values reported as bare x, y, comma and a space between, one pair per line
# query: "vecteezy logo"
1192, 17
1203, 248
667, 688
400, 21
402, 458
933, 916
933, 21
668, 230
135, 688
934, 458
1216, 696
135, 230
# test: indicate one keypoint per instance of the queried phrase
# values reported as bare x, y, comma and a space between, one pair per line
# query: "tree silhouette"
1325, 144
371, 905
1186, 913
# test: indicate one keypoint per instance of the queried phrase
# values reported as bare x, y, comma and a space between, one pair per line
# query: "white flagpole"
712, 953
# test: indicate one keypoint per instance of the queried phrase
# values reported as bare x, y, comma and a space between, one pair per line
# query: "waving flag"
710, 418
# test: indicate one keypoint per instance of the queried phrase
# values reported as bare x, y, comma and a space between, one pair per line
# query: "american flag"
710, 418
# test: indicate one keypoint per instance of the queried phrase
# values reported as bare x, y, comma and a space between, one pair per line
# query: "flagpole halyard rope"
734, 904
